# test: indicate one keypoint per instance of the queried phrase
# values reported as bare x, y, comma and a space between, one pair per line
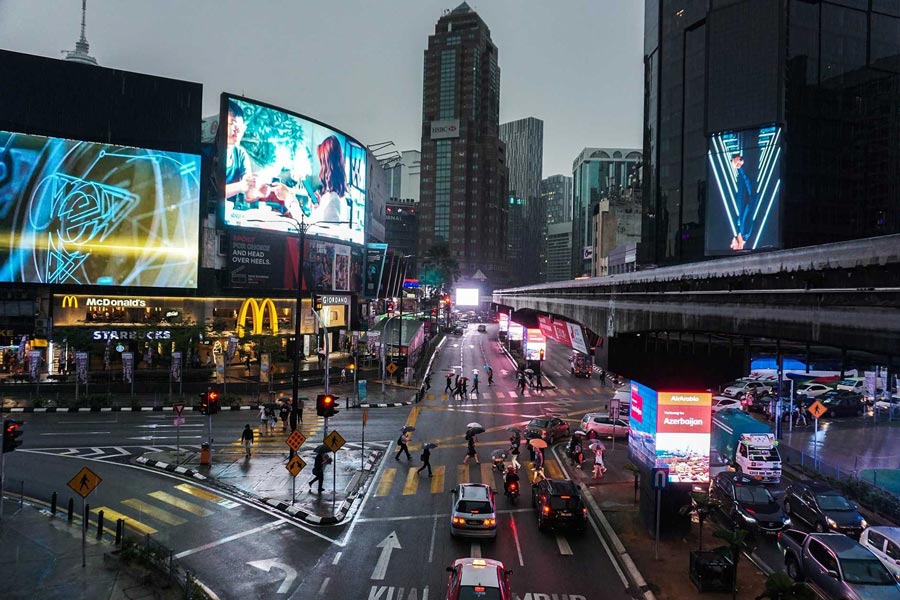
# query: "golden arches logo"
70, 301
259, 312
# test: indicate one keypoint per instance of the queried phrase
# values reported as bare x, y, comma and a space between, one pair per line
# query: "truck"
746, 444
835, 566
582, 365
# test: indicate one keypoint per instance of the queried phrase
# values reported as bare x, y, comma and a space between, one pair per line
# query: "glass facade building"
768, 124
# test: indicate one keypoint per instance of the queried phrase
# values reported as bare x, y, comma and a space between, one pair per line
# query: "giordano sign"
258, 309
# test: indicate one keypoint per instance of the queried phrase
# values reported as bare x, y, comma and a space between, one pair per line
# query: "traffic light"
204, 404
317, 302
12, 431
325, 405
390, 306
542, 353
212, 400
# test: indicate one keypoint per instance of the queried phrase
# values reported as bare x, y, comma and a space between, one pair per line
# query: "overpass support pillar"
601, 353
747, 358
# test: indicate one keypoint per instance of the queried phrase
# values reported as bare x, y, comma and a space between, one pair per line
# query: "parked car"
548, 428
600, 424
747, 503
739, 388
823, 508
558, 503
812, 390
836, 567
852, 384
842, 404
884, 542
478, 578
724, 402
474, 511
482, 328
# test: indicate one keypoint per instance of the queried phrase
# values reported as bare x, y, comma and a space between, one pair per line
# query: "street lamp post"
405, 258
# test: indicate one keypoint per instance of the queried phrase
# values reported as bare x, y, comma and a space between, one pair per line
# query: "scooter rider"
510, 477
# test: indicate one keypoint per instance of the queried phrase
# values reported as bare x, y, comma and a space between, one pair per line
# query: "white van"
853, 384
884, 542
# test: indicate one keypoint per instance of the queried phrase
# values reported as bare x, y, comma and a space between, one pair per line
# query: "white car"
474, 511
812, 390
853, 384
724, 402
739, 388
884, 542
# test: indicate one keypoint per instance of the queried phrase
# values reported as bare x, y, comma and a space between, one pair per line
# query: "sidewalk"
667, 577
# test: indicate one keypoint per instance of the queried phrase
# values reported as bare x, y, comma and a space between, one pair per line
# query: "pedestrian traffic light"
317, 302
542, 353
325, 405
12, 431
212, 399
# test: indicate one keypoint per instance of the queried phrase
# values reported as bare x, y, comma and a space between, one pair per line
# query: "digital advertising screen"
85, 213
375, 255
535, 344
743, 203
682, 435
642, 418
516, 332
467, 297
503, 321
281, 168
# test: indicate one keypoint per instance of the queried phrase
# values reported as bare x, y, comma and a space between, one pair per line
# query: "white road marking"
475, 552
515, 530
387, 545
79, 433
563, 544
337, 558
290, 574
431, 548
86, 422
229, 538
323, 586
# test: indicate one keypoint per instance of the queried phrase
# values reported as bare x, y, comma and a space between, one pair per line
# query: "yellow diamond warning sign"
392, 368
334, 441
295, 465
85, 482
817, 409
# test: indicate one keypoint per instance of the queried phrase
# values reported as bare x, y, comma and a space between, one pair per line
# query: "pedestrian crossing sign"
295, 465
392, 368
817, 409
84, 482
334, 441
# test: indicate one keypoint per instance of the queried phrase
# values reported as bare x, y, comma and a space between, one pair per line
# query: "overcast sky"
357, 64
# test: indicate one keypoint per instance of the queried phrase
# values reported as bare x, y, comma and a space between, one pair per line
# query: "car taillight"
750, 510
584, 510
546, 509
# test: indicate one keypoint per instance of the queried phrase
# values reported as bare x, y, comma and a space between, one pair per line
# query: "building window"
448, 84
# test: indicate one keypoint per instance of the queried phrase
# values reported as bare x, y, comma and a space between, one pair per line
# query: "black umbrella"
474, 431
407, 428
431, 445
499, 454
322, 448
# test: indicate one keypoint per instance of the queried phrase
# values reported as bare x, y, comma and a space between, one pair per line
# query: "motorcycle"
512, 491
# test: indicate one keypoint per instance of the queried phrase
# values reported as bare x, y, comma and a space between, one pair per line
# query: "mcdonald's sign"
70, 301
259, 310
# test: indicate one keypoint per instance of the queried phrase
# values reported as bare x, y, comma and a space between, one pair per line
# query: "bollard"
100, 525
120, 530
53, 505
71, 508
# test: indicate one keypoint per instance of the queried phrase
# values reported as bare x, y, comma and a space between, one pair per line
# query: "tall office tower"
463, 200
598, 173
768, 124
403, 176
524, 141
556, 196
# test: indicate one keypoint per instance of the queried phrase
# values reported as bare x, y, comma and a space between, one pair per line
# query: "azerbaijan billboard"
281, 168
743, 205
671, 430
85, 213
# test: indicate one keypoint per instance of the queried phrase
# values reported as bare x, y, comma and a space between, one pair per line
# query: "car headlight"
863, 523
831, 522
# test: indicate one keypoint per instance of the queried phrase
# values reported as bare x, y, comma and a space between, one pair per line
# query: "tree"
702, 506
779, 586
439, 269
737, 543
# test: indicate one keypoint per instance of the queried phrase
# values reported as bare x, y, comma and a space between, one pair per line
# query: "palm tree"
737, 543
439, 269
779, 586
702, 506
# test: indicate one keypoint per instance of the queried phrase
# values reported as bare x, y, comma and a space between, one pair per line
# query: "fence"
160, 558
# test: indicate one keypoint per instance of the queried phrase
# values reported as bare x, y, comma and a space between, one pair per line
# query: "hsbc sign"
441, 130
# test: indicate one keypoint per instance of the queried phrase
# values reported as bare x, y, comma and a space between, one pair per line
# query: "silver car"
474, 511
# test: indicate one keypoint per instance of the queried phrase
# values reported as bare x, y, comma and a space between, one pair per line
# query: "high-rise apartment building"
768, 124
559, 252
463, 200
524, 141
556, 197
556, 193
597, 172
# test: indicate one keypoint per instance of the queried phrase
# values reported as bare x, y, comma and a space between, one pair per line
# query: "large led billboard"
535, 344
281, 168
467, 297
671, 430
743, 203
84, 213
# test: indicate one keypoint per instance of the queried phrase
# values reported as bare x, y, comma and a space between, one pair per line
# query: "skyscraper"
556, 197
524, 141
463, 199
598, 172
556, 192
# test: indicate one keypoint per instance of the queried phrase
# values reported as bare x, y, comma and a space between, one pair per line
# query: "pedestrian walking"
539, 464
458, 379
540, 381
465, 387
532, 452
263, 420
471, 452
273, 419
247, 438
514, 456
457, 391
428, 382
490, 373
402, 447
602, 378
343, 375
426, 460
284, 412
449, 387
599, 466
319, 472
475, 383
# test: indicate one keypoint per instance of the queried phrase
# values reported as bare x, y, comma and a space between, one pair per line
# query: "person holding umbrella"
426, 458
449, 387
599, 467
490, 374
402, 442
538, 453
472, 429
319, 468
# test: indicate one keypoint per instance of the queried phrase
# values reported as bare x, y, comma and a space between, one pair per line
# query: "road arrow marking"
289, 574
387, 545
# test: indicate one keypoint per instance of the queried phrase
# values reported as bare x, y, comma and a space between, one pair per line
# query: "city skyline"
170, 39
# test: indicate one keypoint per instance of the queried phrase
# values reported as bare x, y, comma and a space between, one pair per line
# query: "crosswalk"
407, 481
173, 506
492, 394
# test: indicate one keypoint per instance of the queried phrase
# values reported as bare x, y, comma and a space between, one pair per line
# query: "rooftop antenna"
82, 48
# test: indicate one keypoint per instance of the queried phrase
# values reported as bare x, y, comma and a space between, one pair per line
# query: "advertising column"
682, 435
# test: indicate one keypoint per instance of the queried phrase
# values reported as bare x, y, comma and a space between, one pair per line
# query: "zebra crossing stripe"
462, 474
153, 512
487, 474
387, 479
182, 504
412, 482
553, 469
437, 482
111, 516
209, 496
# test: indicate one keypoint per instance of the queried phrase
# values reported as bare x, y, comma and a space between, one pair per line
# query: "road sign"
84, 482
179, 421
613, 408
295, 465
365, 416
392, 368
178, 408
295, 440
817, 409
660, 479
334, 441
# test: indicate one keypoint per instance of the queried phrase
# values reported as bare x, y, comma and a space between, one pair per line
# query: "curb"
158, 464
384, 404
98, 409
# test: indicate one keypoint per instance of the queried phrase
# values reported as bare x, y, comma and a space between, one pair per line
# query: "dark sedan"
747, 503
548, 428
823, 508
842, 404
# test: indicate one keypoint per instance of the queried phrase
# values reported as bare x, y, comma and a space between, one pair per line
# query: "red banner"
546, 327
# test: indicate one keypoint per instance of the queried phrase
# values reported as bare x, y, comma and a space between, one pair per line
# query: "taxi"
478, 579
